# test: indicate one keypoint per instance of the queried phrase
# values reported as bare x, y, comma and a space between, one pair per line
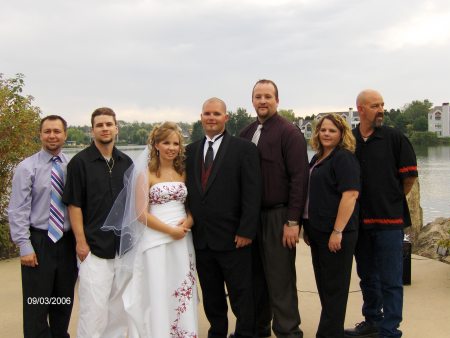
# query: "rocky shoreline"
425, 238
429, 236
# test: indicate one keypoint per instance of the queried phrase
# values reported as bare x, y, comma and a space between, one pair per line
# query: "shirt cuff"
26, 249
293, 215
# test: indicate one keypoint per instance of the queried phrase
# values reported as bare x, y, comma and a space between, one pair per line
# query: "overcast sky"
154, 60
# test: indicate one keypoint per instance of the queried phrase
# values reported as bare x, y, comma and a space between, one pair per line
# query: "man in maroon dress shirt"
284, 166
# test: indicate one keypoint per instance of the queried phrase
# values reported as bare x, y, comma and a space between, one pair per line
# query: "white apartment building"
439, 120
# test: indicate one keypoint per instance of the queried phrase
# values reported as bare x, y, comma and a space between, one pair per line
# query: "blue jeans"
379, 259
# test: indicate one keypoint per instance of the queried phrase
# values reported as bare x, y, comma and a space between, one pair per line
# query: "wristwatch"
292, 223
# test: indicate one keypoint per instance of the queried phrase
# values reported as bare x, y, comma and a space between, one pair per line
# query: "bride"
156, 247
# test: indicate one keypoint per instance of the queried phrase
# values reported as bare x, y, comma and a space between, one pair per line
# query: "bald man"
388, 170
224, 185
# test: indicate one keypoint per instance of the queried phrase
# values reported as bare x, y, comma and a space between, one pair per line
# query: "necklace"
365, 137
110, 167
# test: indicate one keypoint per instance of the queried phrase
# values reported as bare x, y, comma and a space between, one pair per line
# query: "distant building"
306, 125
351, 116
439, 120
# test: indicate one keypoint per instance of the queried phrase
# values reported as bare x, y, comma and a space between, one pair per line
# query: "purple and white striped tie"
56, 219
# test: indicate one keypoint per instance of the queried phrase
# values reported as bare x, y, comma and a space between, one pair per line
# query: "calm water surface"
434, 177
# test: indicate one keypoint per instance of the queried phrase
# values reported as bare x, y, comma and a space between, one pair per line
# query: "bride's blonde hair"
158, 134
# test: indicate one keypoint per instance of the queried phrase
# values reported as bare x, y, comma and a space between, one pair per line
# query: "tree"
238, 121
197, 131
78, 135
420, 124
19, 128
288, 114
141, 136
401, 123
416, 109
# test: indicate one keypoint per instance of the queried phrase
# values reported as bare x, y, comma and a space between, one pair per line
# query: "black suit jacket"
230, 203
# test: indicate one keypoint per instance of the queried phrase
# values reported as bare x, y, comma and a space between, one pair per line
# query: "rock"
413, 199
429, 236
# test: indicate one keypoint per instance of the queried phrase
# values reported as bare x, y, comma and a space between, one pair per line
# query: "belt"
45, 231
276, 206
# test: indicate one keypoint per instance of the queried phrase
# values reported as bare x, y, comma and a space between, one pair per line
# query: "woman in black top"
331, 218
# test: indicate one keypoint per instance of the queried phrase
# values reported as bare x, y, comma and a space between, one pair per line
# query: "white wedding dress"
161, 298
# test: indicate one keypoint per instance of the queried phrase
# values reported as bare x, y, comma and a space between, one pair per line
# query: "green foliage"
238, 121
420, 124
288, 114
78, 134
197, 131
19, 138
7, 247
401, 123
417, 109
424, 138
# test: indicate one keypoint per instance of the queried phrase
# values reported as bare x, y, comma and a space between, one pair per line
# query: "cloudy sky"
153, 60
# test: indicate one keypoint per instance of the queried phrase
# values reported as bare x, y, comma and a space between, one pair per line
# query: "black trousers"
49, 287
280, 278
333, 273
234, 269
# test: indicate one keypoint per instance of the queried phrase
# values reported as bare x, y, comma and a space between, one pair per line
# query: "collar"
216, 137
329, 157
47, 157
95, 154
269, 122
377, 132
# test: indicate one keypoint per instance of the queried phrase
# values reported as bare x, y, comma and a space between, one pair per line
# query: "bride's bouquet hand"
178, 232
186, 223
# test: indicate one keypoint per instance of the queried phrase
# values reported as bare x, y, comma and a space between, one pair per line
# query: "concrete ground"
426, 301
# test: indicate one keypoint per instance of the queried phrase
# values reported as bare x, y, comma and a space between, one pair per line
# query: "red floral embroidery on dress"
161, 193
184, 294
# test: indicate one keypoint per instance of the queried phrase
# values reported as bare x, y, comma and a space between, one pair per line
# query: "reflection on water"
434, 177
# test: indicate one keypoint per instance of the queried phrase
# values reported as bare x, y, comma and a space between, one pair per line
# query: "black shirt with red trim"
386, 158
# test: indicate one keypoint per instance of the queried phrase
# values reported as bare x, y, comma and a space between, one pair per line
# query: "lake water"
434, 178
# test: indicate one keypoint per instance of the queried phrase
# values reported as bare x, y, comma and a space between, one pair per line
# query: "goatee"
105, 141
379, 120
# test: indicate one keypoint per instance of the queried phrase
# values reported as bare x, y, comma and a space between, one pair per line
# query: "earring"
157, 152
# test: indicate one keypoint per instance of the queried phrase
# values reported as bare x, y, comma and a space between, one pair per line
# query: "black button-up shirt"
284, 164
92, 188
337, 173
386, 158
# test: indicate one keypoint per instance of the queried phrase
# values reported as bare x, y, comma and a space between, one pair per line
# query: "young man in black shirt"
94, 179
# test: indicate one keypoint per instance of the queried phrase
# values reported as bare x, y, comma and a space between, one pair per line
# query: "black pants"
48, 288
333, 273
234, 269
280, 278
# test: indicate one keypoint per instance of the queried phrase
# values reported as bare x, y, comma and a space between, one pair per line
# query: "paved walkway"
426, 305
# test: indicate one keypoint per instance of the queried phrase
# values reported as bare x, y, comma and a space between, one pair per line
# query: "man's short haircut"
103, 111
53, 118
265, 81
215, 99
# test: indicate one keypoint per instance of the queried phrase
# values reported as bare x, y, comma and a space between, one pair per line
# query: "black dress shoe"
259, 335
362, 330
232, 335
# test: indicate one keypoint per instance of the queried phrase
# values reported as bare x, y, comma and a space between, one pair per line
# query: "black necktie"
209, 158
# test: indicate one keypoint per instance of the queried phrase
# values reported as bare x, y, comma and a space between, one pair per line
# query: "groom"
224, 185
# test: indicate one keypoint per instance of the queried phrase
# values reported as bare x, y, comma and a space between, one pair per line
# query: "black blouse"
337, 173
